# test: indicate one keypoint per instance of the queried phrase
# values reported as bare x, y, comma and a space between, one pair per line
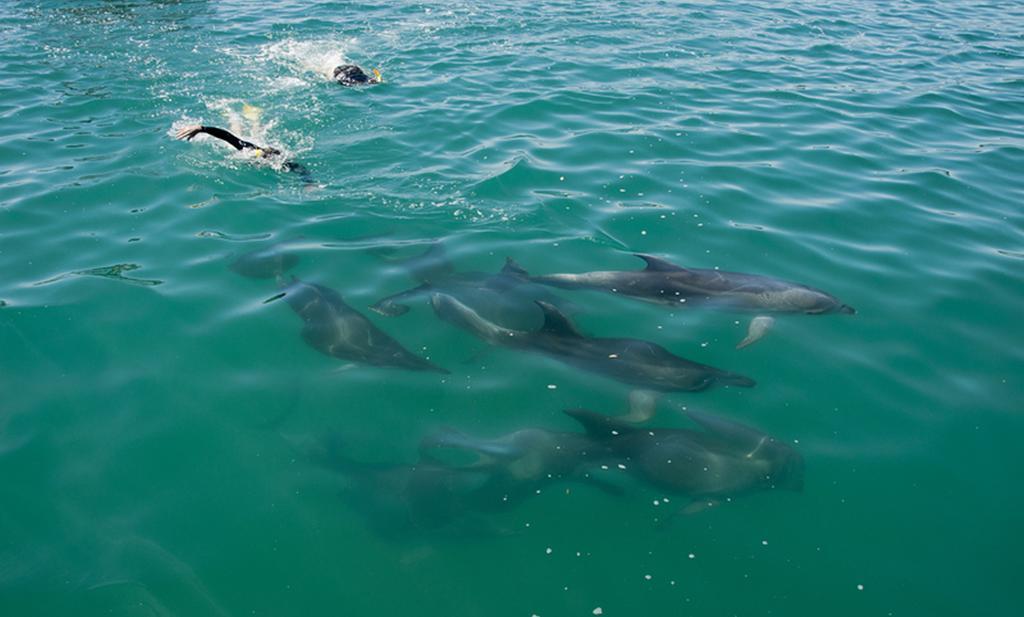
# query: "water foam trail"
312, 57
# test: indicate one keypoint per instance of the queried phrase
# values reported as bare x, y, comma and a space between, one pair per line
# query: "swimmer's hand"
189, 132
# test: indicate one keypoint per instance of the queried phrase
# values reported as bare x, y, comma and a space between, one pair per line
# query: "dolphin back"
599, 425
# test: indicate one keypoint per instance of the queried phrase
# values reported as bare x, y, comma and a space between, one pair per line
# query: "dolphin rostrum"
336, 329
632, 361
663, 282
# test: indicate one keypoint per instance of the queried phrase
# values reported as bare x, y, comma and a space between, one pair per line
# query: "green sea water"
157, 416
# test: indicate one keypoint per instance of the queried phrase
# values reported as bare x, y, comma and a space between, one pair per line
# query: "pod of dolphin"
459, 479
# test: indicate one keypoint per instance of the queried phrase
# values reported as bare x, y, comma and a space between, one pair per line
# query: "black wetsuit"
352, 75
241, 144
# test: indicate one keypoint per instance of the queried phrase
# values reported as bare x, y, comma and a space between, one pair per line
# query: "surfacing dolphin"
663, 282
725, 458
632, 361
336, 329
507, 298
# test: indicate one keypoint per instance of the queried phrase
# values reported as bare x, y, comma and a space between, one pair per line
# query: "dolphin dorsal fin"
598, 424
657, 264
513, 267
555, 322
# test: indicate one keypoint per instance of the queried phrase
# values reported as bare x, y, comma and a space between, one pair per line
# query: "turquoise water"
158, 419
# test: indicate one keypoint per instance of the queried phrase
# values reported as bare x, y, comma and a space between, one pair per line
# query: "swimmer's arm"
189, 132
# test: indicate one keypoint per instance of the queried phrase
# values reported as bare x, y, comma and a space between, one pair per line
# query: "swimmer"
352, 75
239, 144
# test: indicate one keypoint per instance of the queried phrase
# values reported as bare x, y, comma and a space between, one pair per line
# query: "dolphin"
336, 329
632, 361
663, 282
528, 458
507, 298
725, 458
399, 500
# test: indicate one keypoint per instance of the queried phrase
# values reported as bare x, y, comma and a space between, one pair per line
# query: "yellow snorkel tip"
376, 75
258, 153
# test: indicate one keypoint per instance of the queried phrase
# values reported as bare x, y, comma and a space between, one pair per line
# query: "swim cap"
350, 75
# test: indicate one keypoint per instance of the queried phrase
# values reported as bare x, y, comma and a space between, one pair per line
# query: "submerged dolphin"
663, 282
400, 500
527, 458
632, 361
507, 298
266, 262
336, 329
726, 458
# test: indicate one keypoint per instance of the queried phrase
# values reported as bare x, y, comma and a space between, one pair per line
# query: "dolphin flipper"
642, 406
758, 327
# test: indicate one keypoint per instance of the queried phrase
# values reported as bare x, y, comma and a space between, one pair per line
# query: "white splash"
313, 57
